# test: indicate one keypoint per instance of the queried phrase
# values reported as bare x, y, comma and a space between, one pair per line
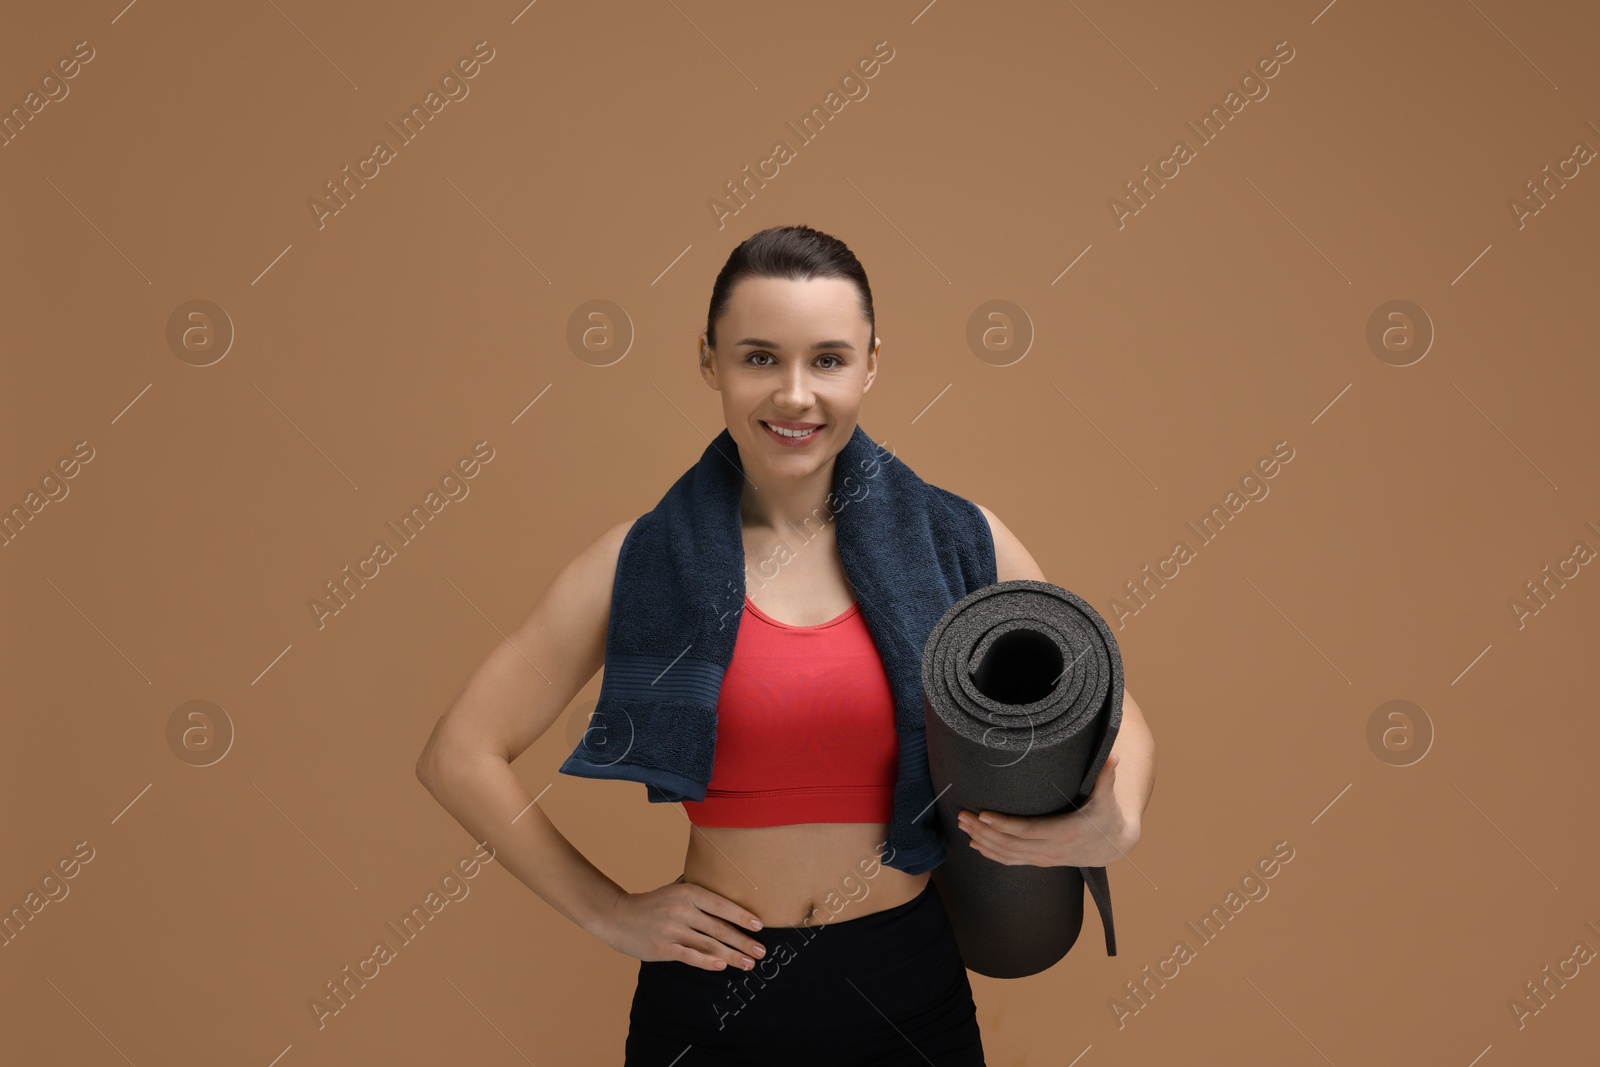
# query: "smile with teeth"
796, 434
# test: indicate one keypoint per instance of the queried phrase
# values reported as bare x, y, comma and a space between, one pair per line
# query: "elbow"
444, 760
430, 765
433, 760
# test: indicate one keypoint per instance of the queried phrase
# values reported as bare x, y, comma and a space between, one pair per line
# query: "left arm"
1108, 824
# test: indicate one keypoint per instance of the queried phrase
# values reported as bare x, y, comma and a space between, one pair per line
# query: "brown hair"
796, 252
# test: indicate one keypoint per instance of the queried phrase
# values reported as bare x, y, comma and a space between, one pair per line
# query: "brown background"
371, 353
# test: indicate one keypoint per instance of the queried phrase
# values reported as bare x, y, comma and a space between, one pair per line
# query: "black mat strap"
1100, 889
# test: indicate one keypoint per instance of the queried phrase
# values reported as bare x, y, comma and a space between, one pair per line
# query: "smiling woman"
786, 715
813, 770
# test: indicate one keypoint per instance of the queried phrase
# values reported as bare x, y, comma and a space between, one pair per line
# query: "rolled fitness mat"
1022, 691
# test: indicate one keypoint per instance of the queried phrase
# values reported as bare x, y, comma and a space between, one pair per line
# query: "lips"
791, 438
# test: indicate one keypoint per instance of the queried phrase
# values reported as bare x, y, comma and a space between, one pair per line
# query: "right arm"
507, 704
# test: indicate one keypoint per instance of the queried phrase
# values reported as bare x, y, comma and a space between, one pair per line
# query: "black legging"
884, 988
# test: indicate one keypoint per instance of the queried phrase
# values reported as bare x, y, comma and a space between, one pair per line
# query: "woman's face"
793, 355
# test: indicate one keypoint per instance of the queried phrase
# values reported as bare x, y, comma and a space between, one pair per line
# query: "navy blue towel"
910, 550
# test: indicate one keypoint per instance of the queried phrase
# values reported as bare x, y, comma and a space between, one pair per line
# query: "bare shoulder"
1011, 560
581, 592
598, 561
530, 675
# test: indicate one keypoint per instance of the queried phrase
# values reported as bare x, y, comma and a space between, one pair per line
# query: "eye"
835, 365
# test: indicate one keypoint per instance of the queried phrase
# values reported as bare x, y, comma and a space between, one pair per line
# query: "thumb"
1108, 773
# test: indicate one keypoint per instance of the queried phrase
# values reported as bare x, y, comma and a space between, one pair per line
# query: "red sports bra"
805, 727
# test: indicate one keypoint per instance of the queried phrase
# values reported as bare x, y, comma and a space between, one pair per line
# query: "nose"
794, 389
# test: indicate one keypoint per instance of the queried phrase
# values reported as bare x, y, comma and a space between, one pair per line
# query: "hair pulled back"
796, 252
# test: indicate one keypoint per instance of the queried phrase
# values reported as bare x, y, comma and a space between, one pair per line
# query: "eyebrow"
773, 344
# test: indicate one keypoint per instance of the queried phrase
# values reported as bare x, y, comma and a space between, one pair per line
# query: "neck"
788, 504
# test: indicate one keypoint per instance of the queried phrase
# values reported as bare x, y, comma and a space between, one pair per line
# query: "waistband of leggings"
870, 919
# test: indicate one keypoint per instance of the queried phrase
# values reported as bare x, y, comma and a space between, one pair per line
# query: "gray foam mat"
1022, 689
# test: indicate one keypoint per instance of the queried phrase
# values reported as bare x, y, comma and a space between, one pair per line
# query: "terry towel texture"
1024, 699
910, 550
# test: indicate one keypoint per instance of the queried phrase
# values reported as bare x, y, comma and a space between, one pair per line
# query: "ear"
872, 363
708, 364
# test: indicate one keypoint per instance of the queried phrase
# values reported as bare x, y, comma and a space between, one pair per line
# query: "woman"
878, 980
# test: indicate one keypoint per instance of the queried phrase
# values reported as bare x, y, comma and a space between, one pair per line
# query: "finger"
999, 853
995, 829
727, 940
706, 961
723, 908
1106, 781
1108, 773
733, 943
708, 944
